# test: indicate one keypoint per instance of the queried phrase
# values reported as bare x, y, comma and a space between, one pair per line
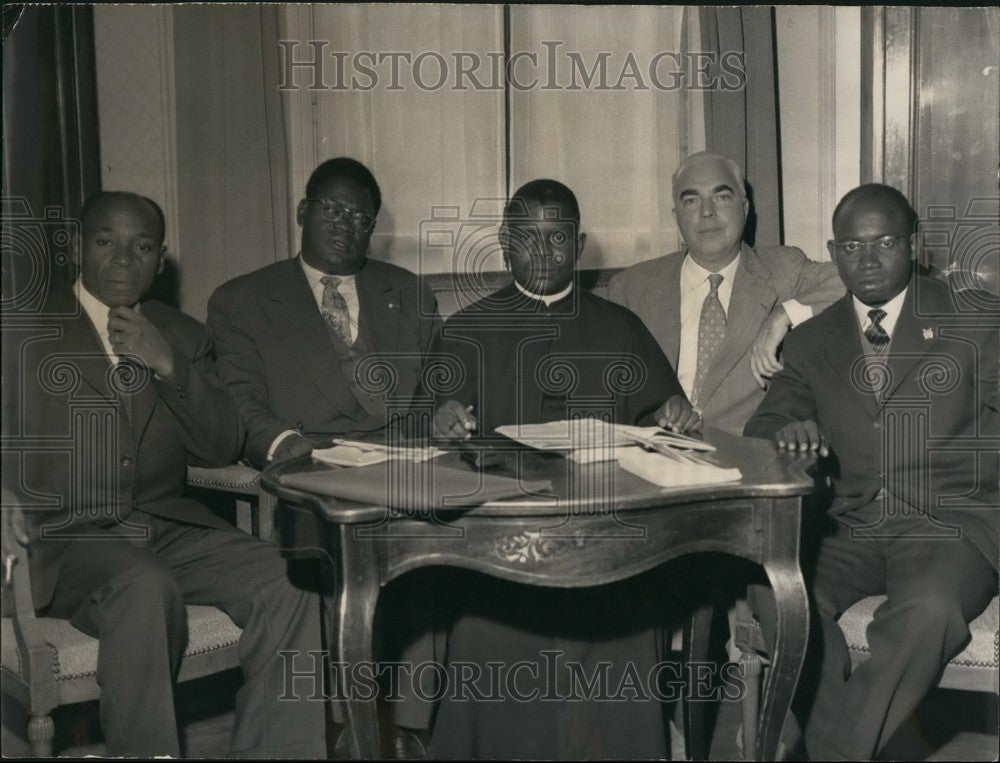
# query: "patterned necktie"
711, 333
335, 308
875, 334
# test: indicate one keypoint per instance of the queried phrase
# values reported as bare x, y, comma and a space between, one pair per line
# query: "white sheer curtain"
615, 148
427, 146
446, 147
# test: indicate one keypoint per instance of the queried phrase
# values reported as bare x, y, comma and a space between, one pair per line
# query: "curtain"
232, 165
431, 136
743, 123
50, 145
615, 142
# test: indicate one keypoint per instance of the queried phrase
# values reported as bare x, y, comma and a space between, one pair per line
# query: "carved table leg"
789, 651
357, 589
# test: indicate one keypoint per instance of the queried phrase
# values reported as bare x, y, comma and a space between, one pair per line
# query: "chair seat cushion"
237, 478
982, 651
75, 654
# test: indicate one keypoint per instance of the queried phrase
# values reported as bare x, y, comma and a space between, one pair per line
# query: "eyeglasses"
334, 211
883, 247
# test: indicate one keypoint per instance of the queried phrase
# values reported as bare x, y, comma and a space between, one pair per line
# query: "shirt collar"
315, 277
892, 310
694, 275
548, 299
95, 310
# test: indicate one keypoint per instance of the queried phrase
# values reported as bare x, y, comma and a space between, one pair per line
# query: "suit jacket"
85, 456
932, 438
765, 277
276, 355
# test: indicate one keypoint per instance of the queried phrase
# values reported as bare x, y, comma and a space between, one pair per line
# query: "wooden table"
603, 525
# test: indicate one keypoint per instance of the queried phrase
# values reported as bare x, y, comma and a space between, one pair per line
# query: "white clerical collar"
548, 299
314, 276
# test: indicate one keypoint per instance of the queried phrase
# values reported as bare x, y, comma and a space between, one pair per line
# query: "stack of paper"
665, 471
588, 440
356, 453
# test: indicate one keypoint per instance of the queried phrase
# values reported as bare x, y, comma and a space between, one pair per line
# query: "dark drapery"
743, 124
50, 144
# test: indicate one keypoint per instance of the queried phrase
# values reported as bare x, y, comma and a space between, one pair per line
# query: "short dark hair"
876, 192
344, 167
96, 198
544, 192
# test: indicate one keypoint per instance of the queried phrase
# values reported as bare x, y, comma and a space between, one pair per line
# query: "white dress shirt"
892, 308
694, 288
97, 312
347, 288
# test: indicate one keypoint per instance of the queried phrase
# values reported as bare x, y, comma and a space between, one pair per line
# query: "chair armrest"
34, 652
240, 480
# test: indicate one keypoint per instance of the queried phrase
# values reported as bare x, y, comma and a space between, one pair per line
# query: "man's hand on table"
454, 421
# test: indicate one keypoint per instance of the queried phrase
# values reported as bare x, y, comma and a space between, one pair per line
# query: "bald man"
126, 385
879, 385
722, 339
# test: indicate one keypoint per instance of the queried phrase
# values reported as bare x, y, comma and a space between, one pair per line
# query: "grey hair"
734, 169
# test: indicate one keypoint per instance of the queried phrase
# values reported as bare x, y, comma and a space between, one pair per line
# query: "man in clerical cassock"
541, 349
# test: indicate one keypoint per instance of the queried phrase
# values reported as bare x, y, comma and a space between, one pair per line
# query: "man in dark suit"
301, 342
761, 292
305, 346
895, 387
116, 396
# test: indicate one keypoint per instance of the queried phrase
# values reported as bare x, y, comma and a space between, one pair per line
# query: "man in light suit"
722, 340
884, 385
305, 345
115, 397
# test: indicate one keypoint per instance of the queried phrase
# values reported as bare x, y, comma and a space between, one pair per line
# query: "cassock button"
126, 461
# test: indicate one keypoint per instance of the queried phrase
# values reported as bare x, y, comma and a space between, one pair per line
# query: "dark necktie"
335, 308
875, 334
711, 333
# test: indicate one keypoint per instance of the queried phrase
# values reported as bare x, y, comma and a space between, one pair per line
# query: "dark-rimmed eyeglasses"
334, 211
882, 246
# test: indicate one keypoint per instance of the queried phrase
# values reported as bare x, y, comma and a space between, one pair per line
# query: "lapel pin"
928, 333
392, 304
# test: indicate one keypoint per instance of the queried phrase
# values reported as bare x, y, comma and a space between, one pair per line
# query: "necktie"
335, 308
711, 333
875, 334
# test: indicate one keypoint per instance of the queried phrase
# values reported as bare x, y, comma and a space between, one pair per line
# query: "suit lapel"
750, 302
663, 297
379, 311
842, 350
908, 346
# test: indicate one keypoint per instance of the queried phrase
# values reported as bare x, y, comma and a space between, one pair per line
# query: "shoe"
407, 744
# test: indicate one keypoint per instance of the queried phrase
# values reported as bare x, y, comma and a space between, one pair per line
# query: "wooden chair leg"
266, 505
751, 666
41, 730
696, 652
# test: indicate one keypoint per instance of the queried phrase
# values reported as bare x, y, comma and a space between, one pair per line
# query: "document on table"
589, 439
661, 457
357, 453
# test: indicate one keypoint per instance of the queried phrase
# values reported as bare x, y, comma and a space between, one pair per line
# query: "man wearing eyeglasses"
895, 388
295, 338
303, 344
